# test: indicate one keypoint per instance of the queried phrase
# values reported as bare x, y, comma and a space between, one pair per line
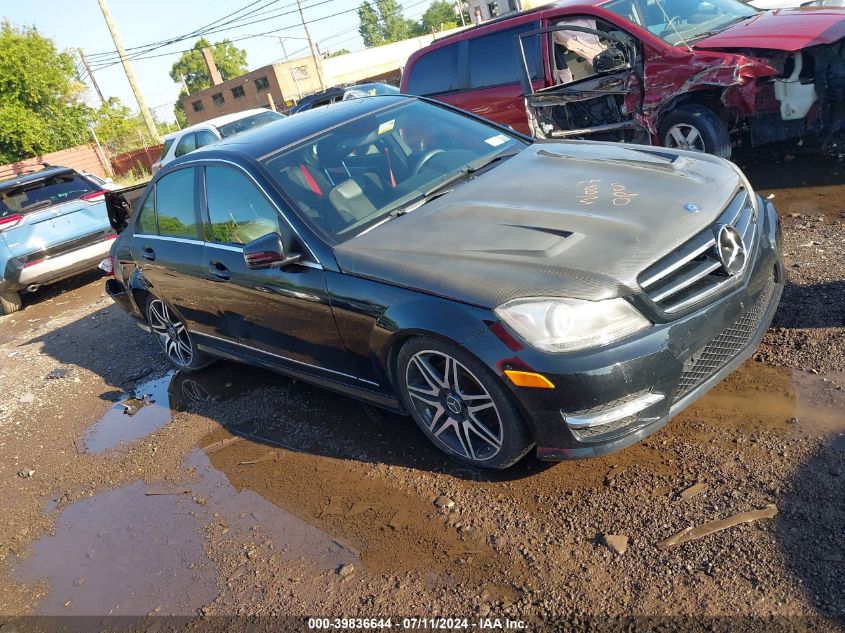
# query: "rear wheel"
10, 301
173, 337
460, 405
697, 129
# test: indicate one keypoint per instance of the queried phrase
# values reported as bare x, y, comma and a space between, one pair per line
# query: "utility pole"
91, 75
317, 62
142, 106
284, 51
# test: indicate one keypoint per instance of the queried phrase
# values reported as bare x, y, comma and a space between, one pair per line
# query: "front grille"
693, 272
718, 352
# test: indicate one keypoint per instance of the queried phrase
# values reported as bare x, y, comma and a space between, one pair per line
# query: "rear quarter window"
436, 72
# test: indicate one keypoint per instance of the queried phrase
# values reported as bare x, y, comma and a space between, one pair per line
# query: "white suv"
191, 138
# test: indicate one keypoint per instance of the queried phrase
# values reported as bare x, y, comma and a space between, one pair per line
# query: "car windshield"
168, 143
43, 193
354, 176
680, 21
247, 123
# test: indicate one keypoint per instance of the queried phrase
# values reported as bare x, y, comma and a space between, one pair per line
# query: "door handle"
219, 270
148, 253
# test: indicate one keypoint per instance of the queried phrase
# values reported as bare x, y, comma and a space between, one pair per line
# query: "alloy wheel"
454, 405
171, 333
685, 136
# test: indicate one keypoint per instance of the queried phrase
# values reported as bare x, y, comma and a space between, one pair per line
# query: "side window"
204, 138
436, 72
237, 210
573, 51
175, 204
147, 215
496, 59
187, 143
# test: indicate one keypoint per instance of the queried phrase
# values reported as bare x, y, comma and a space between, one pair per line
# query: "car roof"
467, 33
268, 138
217, 121
47, 172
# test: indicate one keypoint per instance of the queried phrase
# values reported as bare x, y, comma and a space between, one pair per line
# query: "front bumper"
19, 276
607, 399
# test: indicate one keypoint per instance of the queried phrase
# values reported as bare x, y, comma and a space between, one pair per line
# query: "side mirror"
610, 60
268, 251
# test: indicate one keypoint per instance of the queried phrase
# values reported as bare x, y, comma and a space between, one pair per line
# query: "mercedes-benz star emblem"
731, 249
453, 404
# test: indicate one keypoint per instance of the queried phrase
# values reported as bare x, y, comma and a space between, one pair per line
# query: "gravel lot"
240, 492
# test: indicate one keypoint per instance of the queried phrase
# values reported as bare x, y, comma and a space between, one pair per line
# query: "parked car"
53, 225
342, 93
505, 292
191, 138
701, 75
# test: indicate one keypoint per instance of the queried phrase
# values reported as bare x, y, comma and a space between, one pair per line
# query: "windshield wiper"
737, 20
442, 188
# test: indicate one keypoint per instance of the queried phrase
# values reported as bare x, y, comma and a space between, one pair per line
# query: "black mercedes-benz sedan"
506, 293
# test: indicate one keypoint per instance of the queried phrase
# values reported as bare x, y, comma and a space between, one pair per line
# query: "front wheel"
697, 129
460, 405
173, 337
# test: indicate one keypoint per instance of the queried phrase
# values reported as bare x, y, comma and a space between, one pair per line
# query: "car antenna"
672, 24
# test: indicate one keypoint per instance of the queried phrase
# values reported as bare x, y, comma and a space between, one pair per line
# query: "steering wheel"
426, 158
670, 24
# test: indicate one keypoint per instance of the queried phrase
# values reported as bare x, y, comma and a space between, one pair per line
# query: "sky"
80, 24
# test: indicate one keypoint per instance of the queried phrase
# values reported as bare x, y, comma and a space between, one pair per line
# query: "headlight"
567, 325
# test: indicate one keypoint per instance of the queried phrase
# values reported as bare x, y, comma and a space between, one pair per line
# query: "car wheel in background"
173, 337
10, 301
697, 129
460, 405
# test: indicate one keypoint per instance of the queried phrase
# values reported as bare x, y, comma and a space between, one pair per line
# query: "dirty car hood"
569, 218
781, 29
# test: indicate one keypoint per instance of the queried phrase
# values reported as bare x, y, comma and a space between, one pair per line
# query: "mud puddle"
142, 549
152, 404
759, 397
809, 185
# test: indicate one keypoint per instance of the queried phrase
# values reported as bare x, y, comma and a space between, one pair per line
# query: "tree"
117, 128
40, 96
440, 16
382, 22
339, 52
230, 61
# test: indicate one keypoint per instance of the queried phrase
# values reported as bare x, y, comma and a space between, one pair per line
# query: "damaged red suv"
705, 75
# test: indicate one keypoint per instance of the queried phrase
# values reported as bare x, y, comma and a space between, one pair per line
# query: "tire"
173, 338
460, 405
10, 301
709, 132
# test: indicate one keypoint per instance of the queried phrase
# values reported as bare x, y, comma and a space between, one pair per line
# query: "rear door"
50, 216
439, 74
167, 247
494, 75
597, 86
283, 314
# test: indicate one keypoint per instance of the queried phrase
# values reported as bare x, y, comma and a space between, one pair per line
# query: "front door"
282, 316
596, 88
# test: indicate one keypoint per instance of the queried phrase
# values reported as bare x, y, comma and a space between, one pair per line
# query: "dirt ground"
237, 492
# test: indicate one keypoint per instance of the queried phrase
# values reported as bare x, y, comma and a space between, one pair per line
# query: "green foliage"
230, 61
440, 16
40, 106
338, 53
179, 111
118, 129
382, 22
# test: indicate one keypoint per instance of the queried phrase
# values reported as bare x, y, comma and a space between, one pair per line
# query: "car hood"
571, 218
782, 29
